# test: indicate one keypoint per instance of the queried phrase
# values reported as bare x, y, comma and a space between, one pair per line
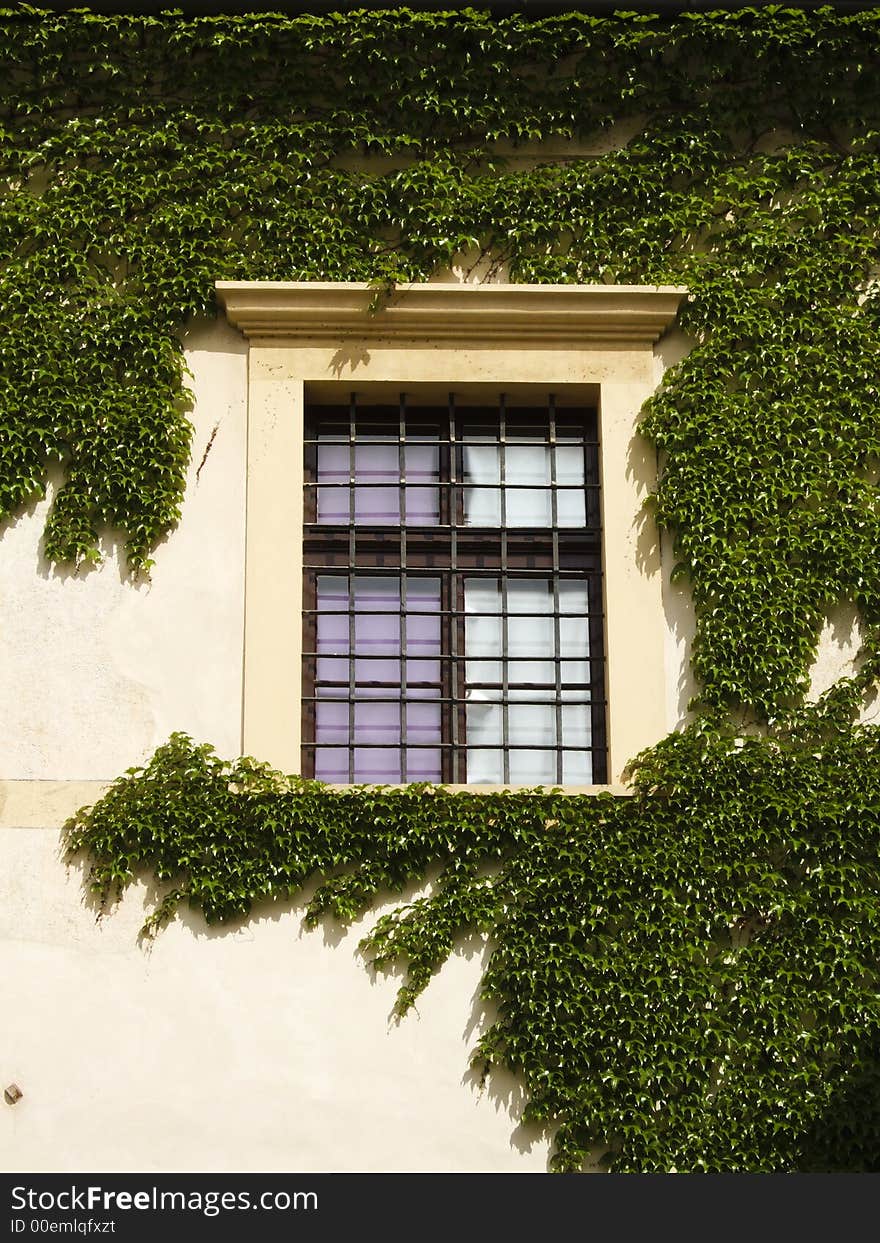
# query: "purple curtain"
390, 731
377, 492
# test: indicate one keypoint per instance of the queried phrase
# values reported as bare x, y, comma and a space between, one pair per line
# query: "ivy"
686, 977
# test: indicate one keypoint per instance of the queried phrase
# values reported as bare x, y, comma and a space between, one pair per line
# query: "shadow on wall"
678, 606
681, 628
111, 545
214, 336
502, 1088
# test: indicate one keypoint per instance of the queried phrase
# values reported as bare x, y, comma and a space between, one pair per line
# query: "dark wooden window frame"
452, 551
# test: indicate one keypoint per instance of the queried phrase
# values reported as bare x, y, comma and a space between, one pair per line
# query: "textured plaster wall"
96, 671
259, 1048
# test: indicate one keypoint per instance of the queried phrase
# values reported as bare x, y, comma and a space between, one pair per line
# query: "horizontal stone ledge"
633, 316
48, 804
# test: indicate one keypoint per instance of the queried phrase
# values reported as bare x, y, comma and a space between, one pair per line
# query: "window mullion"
557, 645
352, 562
505, 690
456, 674
401, 464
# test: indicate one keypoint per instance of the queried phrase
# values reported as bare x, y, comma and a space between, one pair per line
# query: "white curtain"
531, 648
527, 485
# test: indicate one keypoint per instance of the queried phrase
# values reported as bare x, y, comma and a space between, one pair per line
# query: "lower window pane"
529, 766
485, 767
484, 722
376, 765
423, 765
331, 721
531, 725
332, 766
377, 723
576, 725
577, 768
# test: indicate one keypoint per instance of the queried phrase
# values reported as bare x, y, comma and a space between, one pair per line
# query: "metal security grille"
453, 624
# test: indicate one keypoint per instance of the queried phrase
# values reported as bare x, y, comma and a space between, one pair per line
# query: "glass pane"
533, 767
571, 507
333, 468
482, 595
573, 638
422, 595
377, 506
528, 507
386, 672
422, 462
574, 673
484, 723
376, 464
422, 634
531, 725
422, 629
332, 669
480, 671
377, 766
537, 673
533, 595
573, 597
485, 767
376, 593
530, 636
422, 671
577, 768
422, 506
331, 722
422, 468
576, 725
482, 464
482, 505
570, 465
377, 723
526, 464
484, 729
423, 726
331, 765
482, 636
377, 635
333, 630
423, 765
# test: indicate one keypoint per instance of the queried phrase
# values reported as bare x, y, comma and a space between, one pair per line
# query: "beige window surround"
325, 339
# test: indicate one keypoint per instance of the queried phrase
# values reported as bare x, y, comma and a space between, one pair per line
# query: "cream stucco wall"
257, 1048
261, 1047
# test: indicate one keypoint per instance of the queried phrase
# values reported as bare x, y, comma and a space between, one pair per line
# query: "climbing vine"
686, 978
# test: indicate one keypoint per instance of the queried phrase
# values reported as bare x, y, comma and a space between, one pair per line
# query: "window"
504, 567
452, 594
